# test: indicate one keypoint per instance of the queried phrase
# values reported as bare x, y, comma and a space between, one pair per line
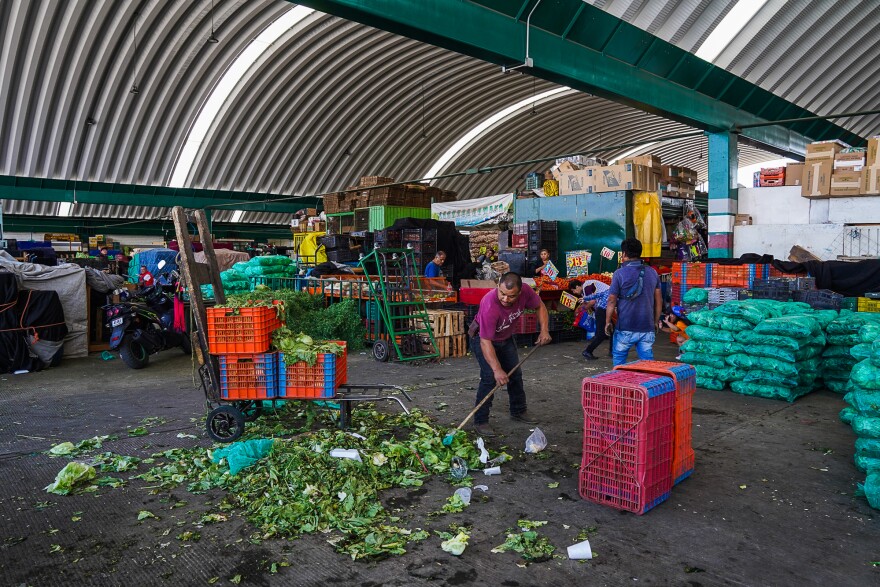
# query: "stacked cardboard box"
678, 182
871, 173
609, 178
846, 178
832, 169
655, 169
818, 167
794, 174
367, 194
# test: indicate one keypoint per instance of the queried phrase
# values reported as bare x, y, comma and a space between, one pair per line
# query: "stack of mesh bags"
863, 411
267, 266
844, 334
233, 282
764, 348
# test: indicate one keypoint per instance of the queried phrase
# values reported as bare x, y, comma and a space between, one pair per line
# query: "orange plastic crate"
248, 376
241, 330
319, 381
685, 378
732, 275
696, 274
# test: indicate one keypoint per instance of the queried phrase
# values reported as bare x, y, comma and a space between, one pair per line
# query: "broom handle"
494, 389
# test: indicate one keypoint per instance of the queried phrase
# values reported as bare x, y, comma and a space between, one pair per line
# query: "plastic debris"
458, 469
484, 454
536, 442
346, 453
580, 551
492, 471
464, 493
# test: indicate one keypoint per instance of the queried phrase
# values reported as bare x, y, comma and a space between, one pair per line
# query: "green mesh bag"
865, 401
871, 489
703, 359
866, 375
809, 352
770, 352
847, 414
851, 323
825, 317
751, 337
834, 351
712, 384
791, 326
866, 426
724, 374
729, 324
742, 310
861, 352
867, 446
795, 308
844, 339
697, 332
869, 332
769, 391
711, 347
697, 295
867, 463
749, 362
770, 378
838, 363
700, 317
270, 260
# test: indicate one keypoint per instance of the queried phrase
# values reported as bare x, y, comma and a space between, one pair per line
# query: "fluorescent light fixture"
65, 208
224, 88
729, 27
236, 216
487, 124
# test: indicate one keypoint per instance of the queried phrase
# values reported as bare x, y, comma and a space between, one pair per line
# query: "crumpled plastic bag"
240, 455
536, 442
72, 477
457, 544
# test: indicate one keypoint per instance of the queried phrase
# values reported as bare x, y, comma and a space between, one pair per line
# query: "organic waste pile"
305, 313
863, 411
763, 348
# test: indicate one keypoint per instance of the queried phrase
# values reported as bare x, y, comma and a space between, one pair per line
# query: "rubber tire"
250, 410
381, 351
225, 424
133, 358
186, 344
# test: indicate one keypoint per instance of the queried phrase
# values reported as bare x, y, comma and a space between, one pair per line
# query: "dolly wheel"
381, 351
225, 424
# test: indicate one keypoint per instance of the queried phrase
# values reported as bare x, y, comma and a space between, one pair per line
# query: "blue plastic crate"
251, 376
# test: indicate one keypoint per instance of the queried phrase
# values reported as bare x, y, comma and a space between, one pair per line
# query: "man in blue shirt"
433, 269
635, 294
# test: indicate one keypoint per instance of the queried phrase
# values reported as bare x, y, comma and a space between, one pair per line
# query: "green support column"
723, 167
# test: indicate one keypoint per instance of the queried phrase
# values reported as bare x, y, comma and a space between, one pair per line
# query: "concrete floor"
770, 502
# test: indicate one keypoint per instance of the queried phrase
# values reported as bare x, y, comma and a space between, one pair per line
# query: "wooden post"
192, 282
208, 246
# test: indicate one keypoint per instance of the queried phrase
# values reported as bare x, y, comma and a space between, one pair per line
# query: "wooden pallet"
449, 346
446, 322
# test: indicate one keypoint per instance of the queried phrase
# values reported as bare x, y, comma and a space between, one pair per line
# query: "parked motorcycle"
143, 322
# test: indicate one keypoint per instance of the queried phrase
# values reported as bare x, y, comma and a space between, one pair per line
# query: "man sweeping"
493, 346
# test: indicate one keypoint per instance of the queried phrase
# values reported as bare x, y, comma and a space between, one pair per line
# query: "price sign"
577, 263
550, 270
607, 253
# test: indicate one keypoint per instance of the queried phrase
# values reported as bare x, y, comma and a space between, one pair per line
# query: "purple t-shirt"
495, 321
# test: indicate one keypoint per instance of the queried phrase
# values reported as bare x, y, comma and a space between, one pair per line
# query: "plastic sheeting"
225, 258
648, 221
151, 259
70, 282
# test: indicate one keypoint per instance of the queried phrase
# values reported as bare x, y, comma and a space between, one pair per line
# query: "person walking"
597, 301
635, 294
435, 267
493, 346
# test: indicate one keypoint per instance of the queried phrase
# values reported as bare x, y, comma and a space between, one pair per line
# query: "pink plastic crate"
628, 439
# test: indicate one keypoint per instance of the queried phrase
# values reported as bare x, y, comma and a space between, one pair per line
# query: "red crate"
628, 436
774, 272
526, 324
472, 295
318, 381
248, 376
241, 330
732, 275
693, 274
685, 378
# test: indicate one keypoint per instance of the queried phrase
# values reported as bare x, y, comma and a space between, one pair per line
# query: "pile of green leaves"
302, 347
531, 546
299, 488
305, 312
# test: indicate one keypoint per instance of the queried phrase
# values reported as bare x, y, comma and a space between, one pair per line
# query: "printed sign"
550, 270
568, 300
577, 263
491, 210
607, 253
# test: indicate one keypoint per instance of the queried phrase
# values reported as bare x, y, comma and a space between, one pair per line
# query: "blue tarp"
151, 259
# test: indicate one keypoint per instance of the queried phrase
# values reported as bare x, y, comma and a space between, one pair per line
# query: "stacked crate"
628, 440
241, 338
338, 248
449, 332
520, 237
387, 238
687, 276
422, 242
685, 378
543, 234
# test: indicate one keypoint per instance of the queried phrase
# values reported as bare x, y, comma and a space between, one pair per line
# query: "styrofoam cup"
492, 471
580, 551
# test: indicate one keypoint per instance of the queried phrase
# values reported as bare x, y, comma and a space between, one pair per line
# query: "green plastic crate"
385, 216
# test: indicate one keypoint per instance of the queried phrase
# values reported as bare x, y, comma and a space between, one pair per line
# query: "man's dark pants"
508, 358
600, 336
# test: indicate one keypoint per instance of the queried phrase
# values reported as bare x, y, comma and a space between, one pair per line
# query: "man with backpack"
635, 294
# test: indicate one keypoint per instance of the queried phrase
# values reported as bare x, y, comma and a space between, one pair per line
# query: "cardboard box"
794, 173
845, 183
646, 160
854, 161
817, 178
825, 148
577, 182
742, 220
613, 178
870, 181
872, 155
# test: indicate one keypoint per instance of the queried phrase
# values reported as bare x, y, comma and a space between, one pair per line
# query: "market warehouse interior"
399, 293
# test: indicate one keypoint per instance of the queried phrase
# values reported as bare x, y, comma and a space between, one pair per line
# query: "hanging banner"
491, 210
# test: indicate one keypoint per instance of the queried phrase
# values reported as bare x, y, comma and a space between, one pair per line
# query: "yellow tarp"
311, 248
648, 220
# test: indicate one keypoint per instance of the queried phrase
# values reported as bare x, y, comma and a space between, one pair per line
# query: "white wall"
823, 240
783, 205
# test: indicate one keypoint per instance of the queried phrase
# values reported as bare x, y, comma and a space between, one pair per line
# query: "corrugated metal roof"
333, 100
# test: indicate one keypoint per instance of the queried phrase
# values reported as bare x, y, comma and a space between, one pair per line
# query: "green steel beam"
578, 45
85, 227
90, 192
